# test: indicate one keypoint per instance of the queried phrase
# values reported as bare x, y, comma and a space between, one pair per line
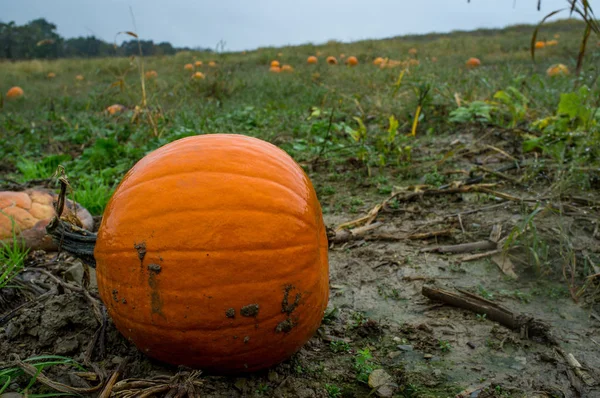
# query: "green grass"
12, 257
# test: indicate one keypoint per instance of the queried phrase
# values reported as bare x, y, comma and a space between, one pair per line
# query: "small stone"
397, 339
394, 354
378, 378
66, 346
75, 273
250, 310
154, 268
240, 384
273, 376
427, 356
405, 347
385, 391
117, 360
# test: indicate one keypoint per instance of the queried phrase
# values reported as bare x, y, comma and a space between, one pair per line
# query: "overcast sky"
248, 24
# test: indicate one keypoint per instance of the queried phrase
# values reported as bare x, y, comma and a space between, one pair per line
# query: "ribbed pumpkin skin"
212, 253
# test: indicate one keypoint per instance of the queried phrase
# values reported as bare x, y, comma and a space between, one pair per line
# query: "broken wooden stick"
526, 325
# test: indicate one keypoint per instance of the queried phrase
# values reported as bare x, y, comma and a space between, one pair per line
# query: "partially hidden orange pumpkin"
551, 43
198, 64
275, 63
114, 109
540, 44
352, 61
79, 78
412, 51
24, 215
557, 70
212, 253
287, 68
188, 67
312, 60
151, 74
331, 60
378, 61
212, 64
15, 92
51, 75
473, 63
198, 76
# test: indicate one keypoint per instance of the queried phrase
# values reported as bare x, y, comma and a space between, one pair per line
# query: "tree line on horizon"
39, 39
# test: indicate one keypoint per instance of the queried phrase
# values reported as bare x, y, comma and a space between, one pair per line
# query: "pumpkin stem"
69, 237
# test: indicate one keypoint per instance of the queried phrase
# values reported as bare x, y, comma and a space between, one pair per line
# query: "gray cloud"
246, 24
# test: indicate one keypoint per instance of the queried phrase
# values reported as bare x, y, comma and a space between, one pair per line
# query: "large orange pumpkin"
14, 92
212, 253
312, 60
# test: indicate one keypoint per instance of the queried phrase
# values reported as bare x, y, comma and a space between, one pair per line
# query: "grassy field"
364, 135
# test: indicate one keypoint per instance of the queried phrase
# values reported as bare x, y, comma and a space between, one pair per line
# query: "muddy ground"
425, 348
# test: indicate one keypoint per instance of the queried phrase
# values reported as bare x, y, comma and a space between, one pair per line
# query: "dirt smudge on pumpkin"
288, 308
285, 305
230, 313
285, 326
154, 268
250, 310
141, 250
156, 303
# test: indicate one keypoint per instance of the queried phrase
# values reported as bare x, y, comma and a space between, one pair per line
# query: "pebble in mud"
250, 310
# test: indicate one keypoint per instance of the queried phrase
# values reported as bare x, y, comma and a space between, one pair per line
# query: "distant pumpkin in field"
319, 53
287, 68
14, 93
557, 70
378, 61
51, 75
331, 60
352, 61
280, 54
556, 36
198, 76
188, 67
312, 60
551, 43
114, 109
433, 59
275, 69
198, 64
212, 64
342, 56
275, 63
413, 62
79, 78
151, 74
413, 51
540, 44
473, 63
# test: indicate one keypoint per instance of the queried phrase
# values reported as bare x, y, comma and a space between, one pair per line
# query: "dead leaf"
505, 265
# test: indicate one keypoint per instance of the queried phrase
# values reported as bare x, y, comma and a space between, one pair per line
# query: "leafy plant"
338, 346
363, 364
333, 391
473, 112
515, 102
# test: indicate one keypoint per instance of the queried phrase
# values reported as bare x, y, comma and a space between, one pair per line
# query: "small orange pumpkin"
26, 215
557, 70
235, 282
287, 68
15, 92
312, 60
331, 60
212, 64
352, 61
198, 64
540, 44
188, 67
79, 78
115, 108
51, 75
378, 61
151, 74
275, 69
473, 63
275, 63
198, 76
